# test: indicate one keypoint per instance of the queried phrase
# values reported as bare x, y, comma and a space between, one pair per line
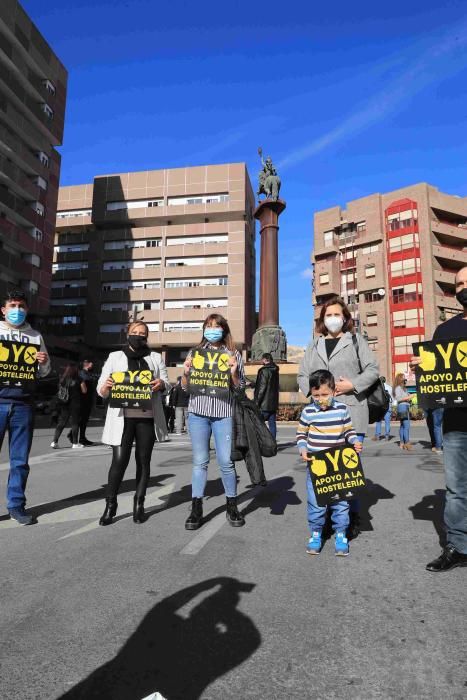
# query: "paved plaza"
120, 612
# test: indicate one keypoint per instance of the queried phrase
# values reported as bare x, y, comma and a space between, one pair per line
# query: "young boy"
16, 405
323, 424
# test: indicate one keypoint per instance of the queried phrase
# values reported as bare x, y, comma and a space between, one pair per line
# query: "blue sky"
348, 98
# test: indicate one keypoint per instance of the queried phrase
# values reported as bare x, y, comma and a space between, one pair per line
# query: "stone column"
269, 337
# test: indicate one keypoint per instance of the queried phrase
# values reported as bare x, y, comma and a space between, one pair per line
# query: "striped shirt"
319, 430
213, 406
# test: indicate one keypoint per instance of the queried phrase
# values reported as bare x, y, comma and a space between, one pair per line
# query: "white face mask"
334, 323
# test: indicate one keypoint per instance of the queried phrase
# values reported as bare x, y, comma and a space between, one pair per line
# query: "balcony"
72, 222
131, 253
15, 149
69, 292
181, 214
348, 264
125, 274
451, 254
455, 233
208, 292
130, 295
445, 276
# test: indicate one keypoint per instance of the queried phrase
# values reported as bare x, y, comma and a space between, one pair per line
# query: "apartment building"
393, 258
166, 246
33, 86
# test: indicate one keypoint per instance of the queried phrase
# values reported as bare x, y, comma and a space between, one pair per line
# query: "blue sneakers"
314, 543
341, 544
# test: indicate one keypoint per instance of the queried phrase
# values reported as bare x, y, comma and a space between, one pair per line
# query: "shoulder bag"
376, 395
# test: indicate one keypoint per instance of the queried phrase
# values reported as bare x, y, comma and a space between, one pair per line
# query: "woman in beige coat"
123, 426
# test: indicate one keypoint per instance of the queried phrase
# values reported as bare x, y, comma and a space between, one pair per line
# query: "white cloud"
426, 69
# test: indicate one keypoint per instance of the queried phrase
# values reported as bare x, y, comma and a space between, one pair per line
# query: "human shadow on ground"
431, 508
276, 496
88, 496
179, 655
368, 498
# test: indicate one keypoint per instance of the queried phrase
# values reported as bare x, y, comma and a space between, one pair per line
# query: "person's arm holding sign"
43, 361
105, 383
237, 372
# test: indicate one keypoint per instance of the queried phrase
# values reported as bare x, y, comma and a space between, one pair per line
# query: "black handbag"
378, 399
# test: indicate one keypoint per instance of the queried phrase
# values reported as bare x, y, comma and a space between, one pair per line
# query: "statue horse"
269, 186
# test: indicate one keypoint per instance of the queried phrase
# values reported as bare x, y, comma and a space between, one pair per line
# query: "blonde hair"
131, 327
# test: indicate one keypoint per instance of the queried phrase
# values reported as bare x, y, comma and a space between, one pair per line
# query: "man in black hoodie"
267, 391
16, 404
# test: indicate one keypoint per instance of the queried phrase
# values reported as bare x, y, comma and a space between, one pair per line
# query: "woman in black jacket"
70, 388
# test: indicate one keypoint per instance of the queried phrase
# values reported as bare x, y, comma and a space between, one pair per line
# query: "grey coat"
343, 363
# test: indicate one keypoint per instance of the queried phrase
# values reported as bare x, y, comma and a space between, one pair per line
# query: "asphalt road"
120, 612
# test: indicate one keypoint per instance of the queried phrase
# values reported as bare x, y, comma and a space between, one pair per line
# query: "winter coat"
251, 440
23, 334
179, 398
343, 362
267, 388
114, 420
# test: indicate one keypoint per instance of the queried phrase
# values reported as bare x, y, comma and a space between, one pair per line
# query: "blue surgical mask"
16, 316
213, 335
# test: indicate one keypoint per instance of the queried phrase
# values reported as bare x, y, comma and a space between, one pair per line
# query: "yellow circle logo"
118, 377
461, 353
30, 355
223, 362
145, 376
350, 458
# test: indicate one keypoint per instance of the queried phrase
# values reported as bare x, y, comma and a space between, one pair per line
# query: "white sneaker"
77, 446
54, 445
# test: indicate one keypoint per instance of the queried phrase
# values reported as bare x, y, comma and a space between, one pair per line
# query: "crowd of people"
336, 373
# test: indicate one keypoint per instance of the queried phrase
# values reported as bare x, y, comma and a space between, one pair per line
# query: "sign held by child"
336, 475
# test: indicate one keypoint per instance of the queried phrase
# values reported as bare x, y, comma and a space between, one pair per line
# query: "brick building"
167, 246
32, 107
393, 257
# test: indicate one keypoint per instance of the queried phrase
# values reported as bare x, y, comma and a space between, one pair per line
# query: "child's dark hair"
320, 377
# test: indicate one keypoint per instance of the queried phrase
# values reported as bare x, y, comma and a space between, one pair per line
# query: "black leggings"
142, 431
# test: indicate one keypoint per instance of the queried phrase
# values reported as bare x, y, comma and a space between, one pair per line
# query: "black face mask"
137, 341
462, 297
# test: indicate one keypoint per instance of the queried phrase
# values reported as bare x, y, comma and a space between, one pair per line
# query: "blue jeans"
387, 425
18, 419
270, 417
354, 504
317, 514
455, 510
201, 428
403, 413
434, 421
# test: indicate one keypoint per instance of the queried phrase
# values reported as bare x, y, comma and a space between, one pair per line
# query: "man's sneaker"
54, 445
341, 544
314, 543
21, 516
77, 446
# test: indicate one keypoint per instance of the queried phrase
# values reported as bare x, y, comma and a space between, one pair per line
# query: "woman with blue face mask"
212, 415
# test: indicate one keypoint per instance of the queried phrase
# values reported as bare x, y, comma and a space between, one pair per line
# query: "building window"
40, 182
112, 327
407, 292
373, 344
367, 249
57, 267
38, 208
372, 296
71, 213
199, 199
73, 248
71, 320
48, 111
328, 239
410, 240
185, 326
402, 219
31, 287
405, 267
43, 157
370, 271
211, 260
403, 344
134, 204
49, 86
130, 243
324, 278
65, 284
35, 233
372, 319
66, 301
361, 226
408, 318
192, 240
195, 304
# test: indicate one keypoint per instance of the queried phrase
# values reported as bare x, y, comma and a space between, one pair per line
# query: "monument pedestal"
269, 337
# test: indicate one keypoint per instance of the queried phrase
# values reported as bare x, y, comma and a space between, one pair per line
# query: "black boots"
139, 516
194, 520
109, 512
233, 516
